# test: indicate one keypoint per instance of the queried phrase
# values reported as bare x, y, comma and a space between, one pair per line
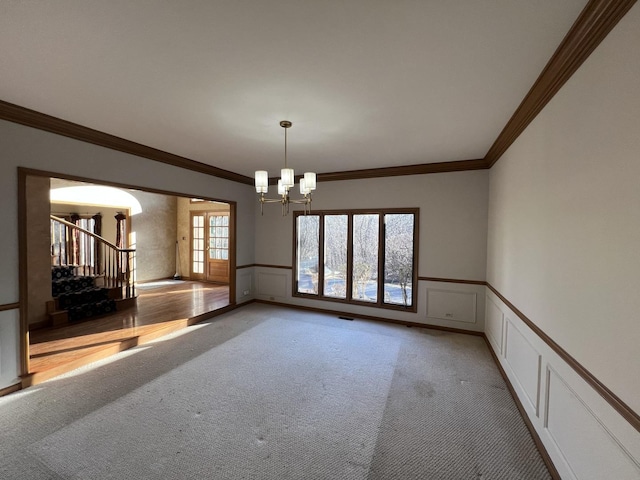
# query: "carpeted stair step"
76, 298
64, 285
66, 301
60, 272
83, 311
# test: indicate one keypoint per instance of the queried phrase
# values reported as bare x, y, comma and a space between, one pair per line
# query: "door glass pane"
197, 233
308, 239
365, 257
218, 237
335, 256
398, 258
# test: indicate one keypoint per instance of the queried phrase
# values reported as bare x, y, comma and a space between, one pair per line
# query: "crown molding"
594, 23
420, 169
31, 118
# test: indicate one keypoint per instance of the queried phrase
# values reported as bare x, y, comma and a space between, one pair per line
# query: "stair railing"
92, 255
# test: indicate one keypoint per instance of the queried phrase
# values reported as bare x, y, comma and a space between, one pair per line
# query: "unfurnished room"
286, 239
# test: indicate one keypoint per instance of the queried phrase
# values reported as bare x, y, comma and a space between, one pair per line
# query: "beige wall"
31, 148
564, 217
38, 249
153, 233
184, 228
108, 214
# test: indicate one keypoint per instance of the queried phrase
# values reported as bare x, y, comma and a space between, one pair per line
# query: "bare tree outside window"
398, 268
353, 254
365, 257
335, 256
308, 242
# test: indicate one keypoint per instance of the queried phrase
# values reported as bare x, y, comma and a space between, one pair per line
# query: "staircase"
77, 298
102, 284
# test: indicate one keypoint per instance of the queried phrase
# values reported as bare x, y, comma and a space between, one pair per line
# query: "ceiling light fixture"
286, 182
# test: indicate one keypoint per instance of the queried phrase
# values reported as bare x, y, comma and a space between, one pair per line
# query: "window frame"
379, 303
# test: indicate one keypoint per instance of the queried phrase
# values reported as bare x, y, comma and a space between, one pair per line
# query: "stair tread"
77, 298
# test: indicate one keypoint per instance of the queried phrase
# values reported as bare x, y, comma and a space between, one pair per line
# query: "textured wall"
153, 234
184, 227
31, 148
38, 249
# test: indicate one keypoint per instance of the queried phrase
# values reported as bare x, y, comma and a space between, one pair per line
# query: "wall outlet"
246, 292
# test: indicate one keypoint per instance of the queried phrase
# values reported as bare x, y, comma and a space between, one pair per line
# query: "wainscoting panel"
244, 285
525, 362
590, 450
9, 354
451, 305
494, 320
271, 284
584, 435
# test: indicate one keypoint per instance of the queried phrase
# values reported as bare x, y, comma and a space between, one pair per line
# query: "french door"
210, 246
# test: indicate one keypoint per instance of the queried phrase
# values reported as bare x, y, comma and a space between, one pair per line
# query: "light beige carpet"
274, 393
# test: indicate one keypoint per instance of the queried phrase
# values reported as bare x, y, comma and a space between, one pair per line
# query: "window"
365, 257
197, 234
219, 237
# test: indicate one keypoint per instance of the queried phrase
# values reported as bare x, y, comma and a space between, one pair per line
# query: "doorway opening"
158, 228
209, 255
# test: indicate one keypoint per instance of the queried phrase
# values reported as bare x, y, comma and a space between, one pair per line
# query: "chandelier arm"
285, 183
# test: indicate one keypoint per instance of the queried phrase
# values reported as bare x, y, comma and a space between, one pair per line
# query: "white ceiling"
366, 83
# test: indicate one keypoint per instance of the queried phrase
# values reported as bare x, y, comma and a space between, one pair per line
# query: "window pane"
398, 259
308, 233
335, 256
365, 257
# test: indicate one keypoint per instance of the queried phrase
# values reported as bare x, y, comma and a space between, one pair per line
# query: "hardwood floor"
162, 307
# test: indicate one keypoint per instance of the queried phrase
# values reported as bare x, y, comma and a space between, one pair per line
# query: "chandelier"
286, 183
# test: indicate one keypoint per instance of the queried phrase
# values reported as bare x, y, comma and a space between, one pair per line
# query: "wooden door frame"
231, 239
23, 232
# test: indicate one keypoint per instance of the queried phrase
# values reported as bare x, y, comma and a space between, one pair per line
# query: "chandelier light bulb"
288, 177
262, 181
310, 180
303, 187
281, 188
286, 182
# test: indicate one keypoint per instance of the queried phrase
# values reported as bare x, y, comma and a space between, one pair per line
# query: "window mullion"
381, 250
350, 257
321, 255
